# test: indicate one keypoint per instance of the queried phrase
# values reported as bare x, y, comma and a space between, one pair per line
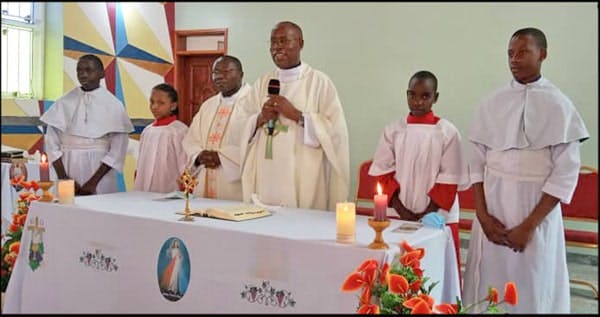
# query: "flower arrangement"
402, 289
10, 248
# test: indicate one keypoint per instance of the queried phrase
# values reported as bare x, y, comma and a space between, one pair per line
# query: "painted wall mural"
134, 42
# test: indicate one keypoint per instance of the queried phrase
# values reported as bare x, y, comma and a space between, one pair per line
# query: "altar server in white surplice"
161, 158
88, 132
309, 167
419, 159
213, 139
525, 160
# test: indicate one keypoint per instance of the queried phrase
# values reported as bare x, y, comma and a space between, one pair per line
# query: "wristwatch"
301, 120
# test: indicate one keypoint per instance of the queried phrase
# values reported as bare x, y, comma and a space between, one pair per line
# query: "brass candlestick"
189, 183
46, 195
378, 226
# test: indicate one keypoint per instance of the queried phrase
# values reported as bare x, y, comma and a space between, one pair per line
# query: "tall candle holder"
378, 226
46, 195
189, 183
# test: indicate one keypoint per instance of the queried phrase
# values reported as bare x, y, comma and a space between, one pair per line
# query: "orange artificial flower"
397, 284
412, 258
411, 303
24, 195
369, 274
492, 295
384, 275
10, 258
21, 219
367, 263
365, 297
392, 279
13, 227
369, 309
428, 299
407, 247
510, 293
17, 179
421, 308
25, 184
418, 272
14, 247
353, 282
34, 185
415, 286
450, 309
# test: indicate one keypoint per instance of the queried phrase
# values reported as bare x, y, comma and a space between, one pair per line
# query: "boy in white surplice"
419, 159
88, 132
525, 159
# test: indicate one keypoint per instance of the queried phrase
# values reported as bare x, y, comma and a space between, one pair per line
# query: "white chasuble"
308, 169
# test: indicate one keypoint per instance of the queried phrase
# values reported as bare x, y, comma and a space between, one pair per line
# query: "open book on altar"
233, 213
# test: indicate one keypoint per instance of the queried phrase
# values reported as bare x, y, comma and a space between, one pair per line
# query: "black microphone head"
273, 87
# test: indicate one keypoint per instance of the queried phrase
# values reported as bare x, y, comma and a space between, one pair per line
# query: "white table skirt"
293, 250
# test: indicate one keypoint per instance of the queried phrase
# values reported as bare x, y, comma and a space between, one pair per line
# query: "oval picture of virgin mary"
173, 269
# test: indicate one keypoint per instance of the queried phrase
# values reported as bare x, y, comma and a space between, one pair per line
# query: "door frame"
182, 53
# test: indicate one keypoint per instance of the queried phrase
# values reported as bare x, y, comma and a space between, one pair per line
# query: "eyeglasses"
282, 41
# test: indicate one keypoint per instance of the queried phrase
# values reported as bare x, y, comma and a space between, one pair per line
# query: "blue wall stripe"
47, 104
121, 182
72, 44
20, 129
120, 31
131, 51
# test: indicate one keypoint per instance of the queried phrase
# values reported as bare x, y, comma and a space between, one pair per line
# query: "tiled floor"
581, 266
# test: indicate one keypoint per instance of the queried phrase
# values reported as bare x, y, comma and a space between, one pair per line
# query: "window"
22, 35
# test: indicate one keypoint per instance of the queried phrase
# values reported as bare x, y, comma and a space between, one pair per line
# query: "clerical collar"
428, 118
88, 91
164, 121
291, 74
231, 99
536, 82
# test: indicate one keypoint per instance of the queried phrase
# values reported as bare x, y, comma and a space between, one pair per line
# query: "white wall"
371, 49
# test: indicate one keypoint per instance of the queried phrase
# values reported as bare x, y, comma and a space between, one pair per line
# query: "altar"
113, 253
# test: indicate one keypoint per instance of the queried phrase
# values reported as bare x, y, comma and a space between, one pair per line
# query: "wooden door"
196, 85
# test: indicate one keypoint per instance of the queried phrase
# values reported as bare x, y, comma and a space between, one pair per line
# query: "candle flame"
378, 188
43, 159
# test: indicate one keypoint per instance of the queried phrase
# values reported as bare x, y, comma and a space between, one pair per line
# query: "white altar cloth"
293, 250
9, 194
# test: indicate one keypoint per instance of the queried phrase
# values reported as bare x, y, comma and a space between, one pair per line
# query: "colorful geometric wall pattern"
26, 137
134, 41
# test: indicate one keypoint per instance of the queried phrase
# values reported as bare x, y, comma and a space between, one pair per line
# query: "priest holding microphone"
295, 144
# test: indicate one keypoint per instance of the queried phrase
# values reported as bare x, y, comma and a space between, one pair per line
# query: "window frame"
37, 27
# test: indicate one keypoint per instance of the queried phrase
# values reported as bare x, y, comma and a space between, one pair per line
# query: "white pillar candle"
66, 191
345, 217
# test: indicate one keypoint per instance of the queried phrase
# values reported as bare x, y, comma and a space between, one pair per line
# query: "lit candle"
44, 171
380, 211
345, 217
66, 191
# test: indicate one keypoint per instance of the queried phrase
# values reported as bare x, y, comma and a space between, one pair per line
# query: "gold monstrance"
189, 182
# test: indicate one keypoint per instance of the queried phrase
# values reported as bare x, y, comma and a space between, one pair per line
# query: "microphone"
273, 89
